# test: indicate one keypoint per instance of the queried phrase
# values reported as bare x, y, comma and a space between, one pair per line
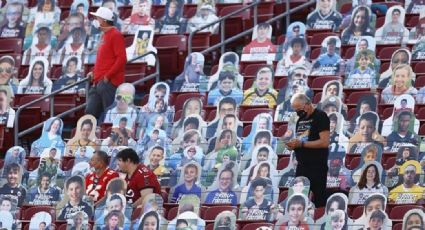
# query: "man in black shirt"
311, 145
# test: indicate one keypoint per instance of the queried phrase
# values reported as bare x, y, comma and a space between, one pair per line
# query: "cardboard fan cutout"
36, 82
295, 30
11, 185
414, 219
261, 48
329, 62
140, 17
229, 61
227, 86
419, 49
225, 220
192, 106
40, 220
337, 201
189, 182
71, 73
362, 23
74, 202
187, 220
402, 84
84, 135
262, 91
142, 44
41, 45
224, 188
404, 103
393, 30
417, 32
287, 175
13, 23
338, 175
172, 22
369, 183
359, 141
325, 16
366, 103
15, 155
374, 208
116, 205
263, 170
205, 14
365, 72
338, 141
295, 213
408, 191
414, 6
192, 77
6, 218
400, 56
296, 54
50, 138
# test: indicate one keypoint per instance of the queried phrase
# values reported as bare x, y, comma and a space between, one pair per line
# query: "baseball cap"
105, 13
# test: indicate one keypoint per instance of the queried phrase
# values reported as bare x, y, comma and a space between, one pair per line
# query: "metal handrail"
50, 96
249, 31
222, 19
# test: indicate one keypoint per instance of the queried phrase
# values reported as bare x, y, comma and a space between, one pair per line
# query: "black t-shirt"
308, 129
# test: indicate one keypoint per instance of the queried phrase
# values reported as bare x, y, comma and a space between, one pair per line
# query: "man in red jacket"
109, 68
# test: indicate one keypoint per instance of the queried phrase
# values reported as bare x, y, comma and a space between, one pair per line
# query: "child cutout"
13, 26
367, 134
70, 74
338, 140
79, 221
300, 185
185, 221
329, 62
16, 155
189, 180
401, 83
325, 16
258, 207
140, 16
50, 138
74, 45
36, 82
393, 31
224, 146
337, 201
366, 103
417, 32
192, 76
368, 184
229, 61
12, 184
295, 55
362, 24
414, 6
74, 199
40, 46
227, 87
142, 44
84, 135
262, 91
295, 30
295, 214
418, 50
260, 48
158, 103
365, 73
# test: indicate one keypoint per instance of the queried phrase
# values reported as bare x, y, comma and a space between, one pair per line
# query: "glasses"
7, 70
125, 98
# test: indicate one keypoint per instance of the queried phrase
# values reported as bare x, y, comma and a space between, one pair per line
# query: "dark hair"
149, 214
44, 174
13, 167
335, 83
298, 40
160, 148
376, 180
297, 199
41, 79
333, 117
415, 213
179, 221
262, 165
74, 179
103, 156
116, 197
227, 100
262, 134
191, 120
128, 154
263, 25
396, 10
226, 75
405, 113
42, 2
378, 214
259, 182
331, 41
339, 200
51, 123
87, 122
375, 197
264, 149
364, 28
80, 5
369, 117
115, 185
124, 119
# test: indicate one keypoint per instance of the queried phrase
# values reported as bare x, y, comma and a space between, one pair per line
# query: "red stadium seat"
357, 212
390, 163
319, 82
398, 212
319, 212
419, 68
354, 163
281, 83
251, 69
246, 130
283, 195
354, 96
281, 130
171, 50
317, 38
183, 97
420, 114
248, 82
212, 212
283, 163
398, 226
249, 114
252, 226
387, 52
28, 213
349, 53
10, 45
172, 213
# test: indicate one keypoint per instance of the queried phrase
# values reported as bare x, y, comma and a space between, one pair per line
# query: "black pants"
317, 176
100, 97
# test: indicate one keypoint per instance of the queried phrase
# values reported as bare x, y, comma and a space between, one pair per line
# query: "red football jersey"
96, 187
141, 179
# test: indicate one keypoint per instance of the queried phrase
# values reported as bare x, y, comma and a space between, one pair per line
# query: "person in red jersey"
97, 181
108, 72
140, 180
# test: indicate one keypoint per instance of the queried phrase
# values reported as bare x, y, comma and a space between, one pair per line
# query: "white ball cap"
105, 13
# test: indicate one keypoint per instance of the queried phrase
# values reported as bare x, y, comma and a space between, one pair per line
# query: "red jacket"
111, 58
